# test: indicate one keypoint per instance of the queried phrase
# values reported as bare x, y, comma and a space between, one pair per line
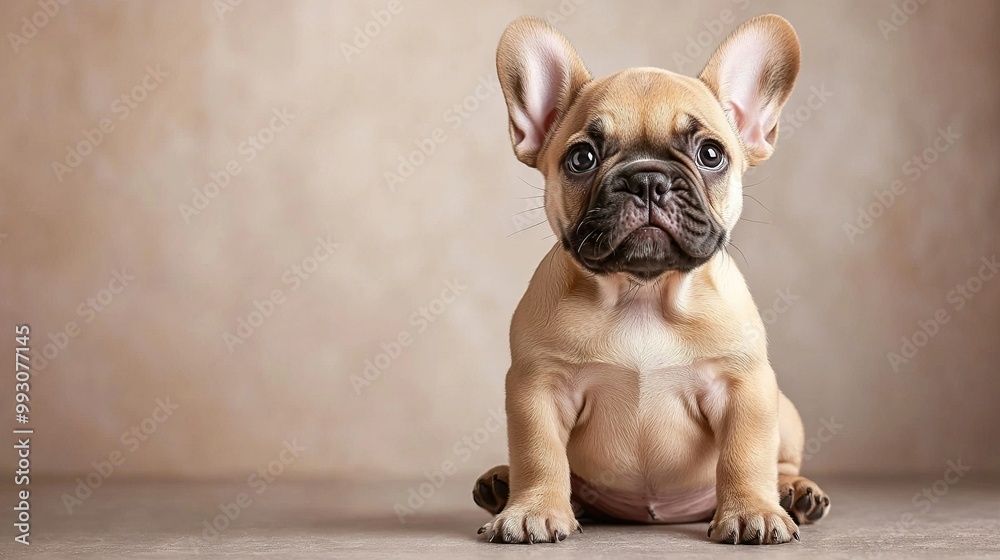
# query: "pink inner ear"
753, 114
742, 122
546, 66
753, 119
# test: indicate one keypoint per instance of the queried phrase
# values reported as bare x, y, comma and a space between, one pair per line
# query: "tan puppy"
640, 387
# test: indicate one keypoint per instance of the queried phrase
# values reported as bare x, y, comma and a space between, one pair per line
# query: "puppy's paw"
802, 498
541, 521
761, 523
492, 489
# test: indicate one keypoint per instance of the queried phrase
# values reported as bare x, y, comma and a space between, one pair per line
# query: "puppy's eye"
710, 156
581, 159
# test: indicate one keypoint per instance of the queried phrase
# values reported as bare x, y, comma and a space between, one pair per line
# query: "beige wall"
322, 175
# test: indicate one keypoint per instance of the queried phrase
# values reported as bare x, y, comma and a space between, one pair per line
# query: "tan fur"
644, 387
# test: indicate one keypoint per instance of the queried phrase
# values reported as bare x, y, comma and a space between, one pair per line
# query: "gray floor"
292, 520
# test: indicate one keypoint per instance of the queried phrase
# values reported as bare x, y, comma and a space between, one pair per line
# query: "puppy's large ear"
540, 73
752, 74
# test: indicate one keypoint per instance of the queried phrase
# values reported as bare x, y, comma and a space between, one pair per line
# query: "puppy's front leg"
746, 427
539, 419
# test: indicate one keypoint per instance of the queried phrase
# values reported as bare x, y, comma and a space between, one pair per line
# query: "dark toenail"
481, 531
826, 501
795, 536
774, 535
579, 528
709, 531
560, 535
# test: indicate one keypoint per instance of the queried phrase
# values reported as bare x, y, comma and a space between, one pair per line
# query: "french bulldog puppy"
639, 386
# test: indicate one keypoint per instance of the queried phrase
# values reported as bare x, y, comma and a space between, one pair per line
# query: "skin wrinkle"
605, 173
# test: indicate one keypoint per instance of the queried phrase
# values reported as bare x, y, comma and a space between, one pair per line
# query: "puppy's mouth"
646, 219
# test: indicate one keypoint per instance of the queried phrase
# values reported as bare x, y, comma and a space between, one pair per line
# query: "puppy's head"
643, 169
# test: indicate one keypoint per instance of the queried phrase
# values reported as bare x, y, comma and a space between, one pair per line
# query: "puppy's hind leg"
492, 489
802, 498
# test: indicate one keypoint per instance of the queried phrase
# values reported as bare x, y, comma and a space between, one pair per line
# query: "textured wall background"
199, 81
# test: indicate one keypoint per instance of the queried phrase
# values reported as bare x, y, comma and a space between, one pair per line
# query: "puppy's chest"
643, 342
645, 366
644, 392
655, 380
640, 376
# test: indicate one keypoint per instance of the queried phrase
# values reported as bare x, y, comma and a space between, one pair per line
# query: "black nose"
648, 184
